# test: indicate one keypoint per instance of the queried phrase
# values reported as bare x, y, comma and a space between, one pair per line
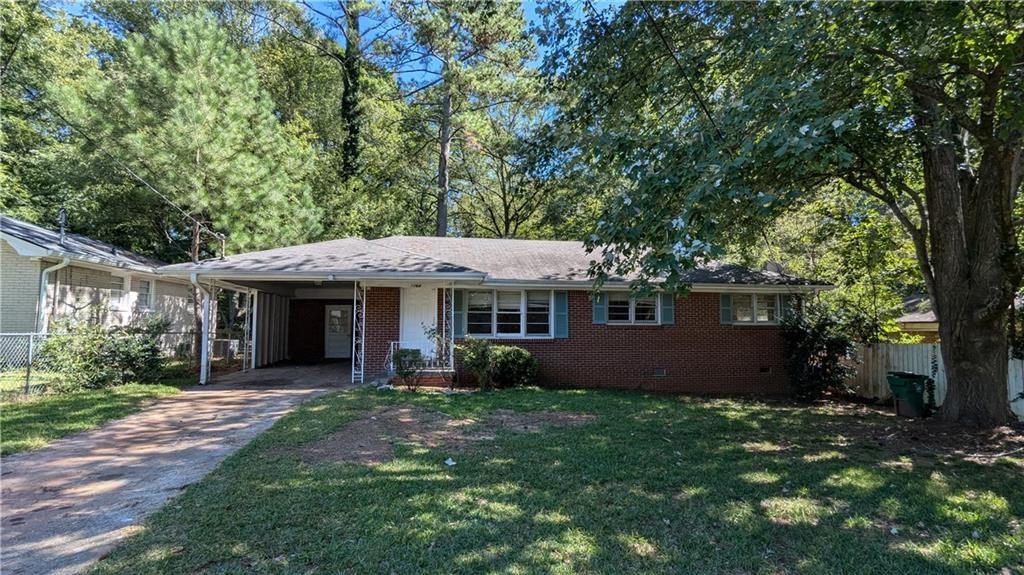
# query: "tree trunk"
972, 257
350, 111
442, 163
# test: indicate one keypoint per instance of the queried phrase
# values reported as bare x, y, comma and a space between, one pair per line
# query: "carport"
350, 302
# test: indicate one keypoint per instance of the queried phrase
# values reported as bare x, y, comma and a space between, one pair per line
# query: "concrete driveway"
66, 505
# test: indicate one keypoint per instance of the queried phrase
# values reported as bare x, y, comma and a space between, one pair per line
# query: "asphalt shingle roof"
347, 256
497, 259
76, 246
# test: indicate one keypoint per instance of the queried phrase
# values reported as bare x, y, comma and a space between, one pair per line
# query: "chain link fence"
23, 369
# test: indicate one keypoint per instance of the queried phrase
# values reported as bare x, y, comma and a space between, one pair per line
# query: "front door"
338, 331
418, 314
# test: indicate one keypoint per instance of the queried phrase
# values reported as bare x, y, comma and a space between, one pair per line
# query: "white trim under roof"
476, 279
30, 249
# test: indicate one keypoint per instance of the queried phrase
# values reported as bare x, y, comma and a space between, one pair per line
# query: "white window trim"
150, 297
753, 310
522, 316
632, 313
124, 303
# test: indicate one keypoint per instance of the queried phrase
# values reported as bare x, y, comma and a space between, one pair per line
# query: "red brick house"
358, 301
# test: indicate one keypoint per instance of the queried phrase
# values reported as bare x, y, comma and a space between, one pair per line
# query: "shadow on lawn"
655, 484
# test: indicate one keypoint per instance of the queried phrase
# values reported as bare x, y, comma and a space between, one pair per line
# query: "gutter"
41, 326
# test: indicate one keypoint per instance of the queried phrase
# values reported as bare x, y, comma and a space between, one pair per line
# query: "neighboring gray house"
44, 276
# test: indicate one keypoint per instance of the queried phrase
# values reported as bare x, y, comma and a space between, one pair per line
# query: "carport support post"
204, 346
204, 354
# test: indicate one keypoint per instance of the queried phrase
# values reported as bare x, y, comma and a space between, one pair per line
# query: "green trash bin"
909, 389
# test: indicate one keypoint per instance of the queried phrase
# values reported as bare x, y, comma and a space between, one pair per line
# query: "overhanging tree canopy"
721, 115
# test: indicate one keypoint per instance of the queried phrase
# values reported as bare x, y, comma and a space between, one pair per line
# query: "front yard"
591, 482
32, 422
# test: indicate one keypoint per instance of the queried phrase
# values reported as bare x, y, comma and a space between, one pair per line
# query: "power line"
686, 77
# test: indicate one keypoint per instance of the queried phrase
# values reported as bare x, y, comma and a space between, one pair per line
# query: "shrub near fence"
926, 359
24, 370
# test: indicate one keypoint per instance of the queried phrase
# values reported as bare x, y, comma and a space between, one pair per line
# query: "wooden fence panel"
877, 359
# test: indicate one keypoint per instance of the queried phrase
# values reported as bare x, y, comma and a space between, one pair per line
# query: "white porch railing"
436, 361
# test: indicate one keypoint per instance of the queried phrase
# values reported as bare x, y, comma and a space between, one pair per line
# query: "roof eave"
228, 274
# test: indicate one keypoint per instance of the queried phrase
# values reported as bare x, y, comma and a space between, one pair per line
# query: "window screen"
618, 307
742, 307
538, 313
766, 307
510, 312
646, 310
478, 316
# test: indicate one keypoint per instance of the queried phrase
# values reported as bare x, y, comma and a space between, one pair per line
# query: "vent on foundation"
659, 372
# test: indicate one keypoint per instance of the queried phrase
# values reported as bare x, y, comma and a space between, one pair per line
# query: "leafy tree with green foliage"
496, 194
854, 243
721, 116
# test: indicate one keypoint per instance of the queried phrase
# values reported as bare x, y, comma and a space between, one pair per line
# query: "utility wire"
686, 77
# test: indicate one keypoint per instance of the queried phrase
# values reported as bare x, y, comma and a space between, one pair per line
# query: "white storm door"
337, 331
418, 314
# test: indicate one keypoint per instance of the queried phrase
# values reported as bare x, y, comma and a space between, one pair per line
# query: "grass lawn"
32, 422
651, 484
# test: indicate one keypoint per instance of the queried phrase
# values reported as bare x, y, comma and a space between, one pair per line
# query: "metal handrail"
429, 361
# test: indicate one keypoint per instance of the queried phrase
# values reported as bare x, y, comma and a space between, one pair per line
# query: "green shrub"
497, 365
75, 351
475, 356
409, 366
90, 356
512, 366
134, 350
818, 354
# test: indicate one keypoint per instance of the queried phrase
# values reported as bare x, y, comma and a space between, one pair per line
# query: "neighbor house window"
755, 308
116, 291
144, 299
508, 313
625, 309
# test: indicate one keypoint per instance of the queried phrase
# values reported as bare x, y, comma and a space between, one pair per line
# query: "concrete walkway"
66, 505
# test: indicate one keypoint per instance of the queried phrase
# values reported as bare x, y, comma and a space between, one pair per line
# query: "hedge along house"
362, 300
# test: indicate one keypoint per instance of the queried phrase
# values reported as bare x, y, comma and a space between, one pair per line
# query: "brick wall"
382, 327
19, 288
698, 353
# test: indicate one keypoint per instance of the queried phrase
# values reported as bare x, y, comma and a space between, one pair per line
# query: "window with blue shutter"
459, 318
725, 308
668, 308
561, 315
600, 308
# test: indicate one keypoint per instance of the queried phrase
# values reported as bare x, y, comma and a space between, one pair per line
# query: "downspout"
41, 300
204, 347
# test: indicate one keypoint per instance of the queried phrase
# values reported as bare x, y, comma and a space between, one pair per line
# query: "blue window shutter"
561, 314
460, 313
725, 308
600, 308
668, 308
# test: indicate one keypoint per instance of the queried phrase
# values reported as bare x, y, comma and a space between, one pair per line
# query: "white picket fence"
923, 358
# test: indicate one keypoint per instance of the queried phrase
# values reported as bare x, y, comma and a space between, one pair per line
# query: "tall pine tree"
184, 108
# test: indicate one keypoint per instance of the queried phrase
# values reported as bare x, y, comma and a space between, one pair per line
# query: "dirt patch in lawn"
372, 439
860, 424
